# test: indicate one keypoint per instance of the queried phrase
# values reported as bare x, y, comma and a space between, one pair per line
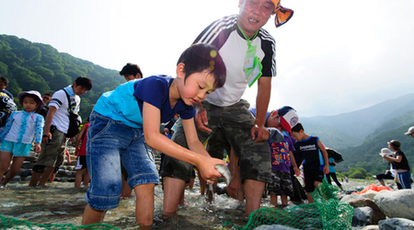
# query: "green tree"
358, 173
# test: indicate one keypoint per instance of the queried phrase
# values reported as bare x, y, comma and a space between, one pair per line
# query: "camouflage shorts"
281, 184
231, 126
53, 152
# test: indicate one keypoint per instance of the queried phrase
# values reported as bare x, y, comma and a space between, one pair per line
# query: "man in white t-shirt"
248, 51
56, 127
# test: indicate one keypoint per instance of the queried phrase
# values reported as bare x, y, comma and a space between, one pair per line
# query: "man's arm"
46, 130
201, 118
262, 102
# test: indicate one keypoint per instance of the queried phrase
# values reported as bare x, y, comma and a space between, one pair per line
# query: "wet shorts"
17, 149
52, 150
310, 178
109, 142
235, 123
281, 184
81, 163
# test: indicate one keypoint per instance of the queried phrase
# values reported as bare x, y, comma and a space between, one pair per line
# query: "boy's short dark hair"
84, 82
131, 69
298, 127
200, 57
4, 80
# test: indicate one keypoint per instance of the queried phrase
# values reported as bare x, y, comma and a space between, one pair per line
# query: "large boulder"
370, 194
396, 224
396, 204
362, 216
371, 227
353, 196
377, 214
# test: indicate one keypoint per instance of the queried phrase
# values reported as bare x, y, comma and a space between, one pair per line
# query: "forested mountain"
36, 66
367, 155
351, 129
360, 135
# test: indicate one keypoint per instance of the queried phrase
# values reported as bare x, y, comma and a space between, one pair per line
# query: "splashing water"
61, 203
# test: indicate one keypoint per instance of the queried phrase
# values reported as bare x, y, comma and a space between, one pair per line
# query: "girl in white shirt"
22, 128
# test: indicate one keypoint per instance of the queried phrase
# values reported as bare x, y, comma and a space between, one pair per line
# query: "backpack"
74, 123
7, 106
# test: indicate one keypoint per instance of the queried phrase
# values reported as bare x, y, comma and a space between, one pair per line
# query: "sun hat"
394, 143
32, 92
288, 118
282, 14
130, 69
410, 131
386, 151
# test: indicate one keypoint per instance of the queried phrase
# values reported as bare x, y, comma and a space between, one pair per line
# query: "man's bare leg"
35, 178
45, 176
253, 191
173, 188
235, 188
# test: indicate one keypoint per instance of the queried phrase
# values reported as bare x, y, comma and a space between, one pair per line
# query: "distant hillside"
36, 66
403, 120
367, 155
350, 129
329, 136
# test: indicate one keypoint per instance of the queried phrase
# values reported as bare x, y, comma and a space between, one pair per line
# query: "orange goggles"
282, 16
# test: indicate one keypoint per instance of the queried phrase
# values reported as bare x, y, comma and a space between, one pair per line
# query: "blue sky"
332, 57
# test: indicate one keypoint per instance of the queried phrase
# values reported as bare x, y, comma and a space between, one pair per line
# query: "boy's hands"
206, 167
296, 170
201, 118
326, 169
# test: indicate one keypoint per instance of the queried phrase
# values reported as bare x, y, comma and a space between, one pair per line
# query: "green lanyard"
252, 66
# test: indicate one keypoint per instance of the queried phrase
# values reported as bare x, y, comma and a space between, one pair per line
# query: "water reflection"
61, 203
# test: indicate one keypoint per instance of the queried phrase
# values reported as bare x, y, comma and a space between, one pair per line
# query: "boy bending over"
126, 120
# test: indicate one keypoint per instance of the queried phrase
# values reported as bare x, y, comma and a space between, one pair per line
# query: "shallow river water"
61, 203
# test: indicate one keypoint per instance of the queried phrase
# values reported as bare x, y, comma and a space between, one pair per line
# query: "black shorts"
81, 164
310, 178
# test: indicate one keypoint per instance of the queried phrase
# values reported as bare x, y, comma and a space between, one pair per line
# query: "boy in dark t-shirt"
315, 158
126, 120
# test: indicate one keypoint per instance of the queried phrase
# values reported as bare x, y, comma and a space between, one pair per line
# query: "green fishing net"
11, 223
326, 213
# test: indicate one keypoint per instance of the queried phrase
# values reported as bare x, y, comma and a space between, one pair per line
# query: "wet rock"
377, 214
370, 194
396, 224
350, 197
16, 178
362, 216
25, 173
27, 165
371, 227
70, 168
396, 204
